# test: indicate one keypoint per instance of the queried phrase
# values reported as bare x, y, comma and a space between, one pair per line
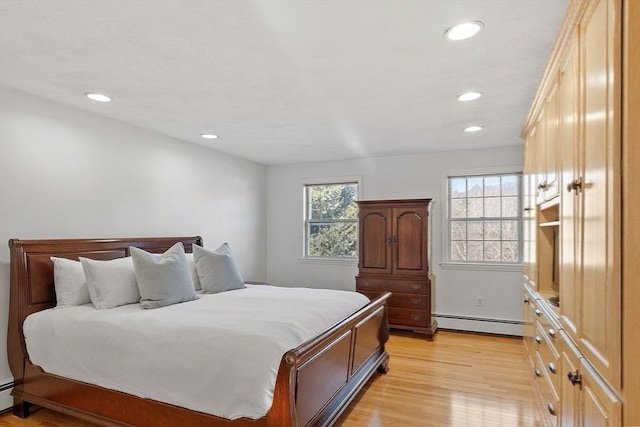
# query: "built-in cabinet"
581, 303
394, 255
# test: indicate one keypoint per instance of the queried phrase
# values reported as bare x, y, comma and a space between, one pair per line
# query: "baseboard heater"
6, 386
478, 319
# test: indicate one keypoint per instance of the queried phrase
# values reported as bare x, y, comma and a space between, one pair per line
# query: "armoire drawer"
363, 284
410, 301
403, 316
393, 285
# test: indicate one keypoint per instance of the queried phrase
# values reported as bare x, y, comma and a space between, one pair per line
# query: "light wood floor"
459, 380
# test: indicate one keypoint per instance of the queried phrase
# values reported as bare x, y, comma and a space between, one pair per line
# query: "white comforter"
218, 354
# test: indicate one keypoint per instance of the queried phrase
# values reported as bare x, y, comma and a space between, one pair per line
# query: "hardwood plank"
456, 380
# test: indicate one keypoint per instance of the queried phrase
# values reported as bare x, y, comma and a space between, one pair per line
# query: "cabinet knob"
537, 373
575, 378
552, 367
526, 300
538, 339
543, 185
537, 312
551, 332
552, 409
575, 185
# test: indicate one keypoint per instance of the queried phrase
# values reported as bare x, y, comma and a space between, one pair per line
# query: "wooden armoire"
395, 253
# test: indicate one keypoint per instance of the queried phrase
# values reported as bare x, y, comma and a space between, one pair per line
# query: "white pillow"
163, 279
111, 283
194, 272
70, 283
217, 269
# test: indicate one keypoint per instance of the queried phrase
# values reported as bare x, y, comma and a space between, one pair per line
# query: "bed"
314, 383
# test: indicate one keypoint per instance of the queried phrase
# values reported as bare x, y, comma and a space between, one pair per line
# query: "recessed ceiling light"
97, 97
473, 128
469, 96
464, 30
209, 136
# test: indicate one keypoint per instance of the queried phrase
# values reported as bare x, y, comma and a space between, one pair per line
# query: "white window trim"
444, 194
303, 259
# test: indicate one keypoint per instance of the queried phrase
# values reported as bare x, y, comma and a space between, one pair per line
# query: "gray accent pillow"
163, 279
217, 269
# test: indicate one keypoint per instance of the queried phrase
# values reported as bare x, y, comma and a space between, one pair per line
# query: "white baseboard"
475, 324
6, 401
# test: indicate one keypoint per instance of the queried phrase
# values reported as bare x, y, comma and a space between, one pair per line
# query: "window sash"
503, 244
309, 222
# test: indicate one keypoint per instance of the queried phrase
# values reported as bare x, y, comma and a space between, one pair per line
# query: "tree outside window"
484, 218
331, 220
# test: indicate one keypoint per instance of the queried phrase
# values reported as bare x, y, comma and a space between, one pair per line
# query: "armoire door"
409, 240
375, 243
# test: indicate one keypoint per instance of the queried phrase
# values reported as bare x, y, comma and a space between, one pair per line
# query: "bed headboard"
32, 287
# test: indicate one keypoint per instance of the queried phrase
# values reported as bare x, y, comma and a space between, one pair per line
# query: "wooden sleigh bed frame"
315, 382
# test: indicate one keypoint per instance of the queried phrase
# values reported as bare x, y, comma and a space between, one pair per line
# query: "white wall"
415, 176
65, 173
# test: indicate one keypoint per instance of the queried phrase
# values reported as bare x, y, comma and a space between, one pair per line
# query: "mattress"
218, 354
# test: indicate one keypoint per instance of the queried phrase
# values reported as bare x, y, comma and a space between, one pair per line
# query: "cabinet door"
599, 335
586, 400
570, 242
551, 145
598, 406
569, 391
375, 239
410, 234
529, 229
538, 137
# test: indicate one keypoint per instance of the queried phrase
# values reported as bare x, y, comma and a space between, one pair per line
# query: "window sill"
480, 266
328, 261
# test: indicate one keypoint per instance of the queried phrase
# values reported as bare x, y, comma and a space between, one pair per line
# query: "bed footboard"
317, 380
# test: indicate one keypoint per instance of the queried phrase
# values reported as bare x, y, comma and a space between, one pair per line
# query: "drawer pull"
552, 332
552, 367
416, 301
575, 378
537, 373
537, 312
538, 339
416, 285
416, 316
526, 300
552, 409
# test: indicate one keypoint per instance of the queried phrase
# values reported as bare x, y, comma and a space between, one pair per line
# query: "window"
331, 220
484, 218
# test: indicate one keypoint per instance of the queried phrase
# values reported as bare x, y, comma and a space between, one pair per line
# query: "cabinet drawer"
402, 316
549, 357
550, 327
549, 398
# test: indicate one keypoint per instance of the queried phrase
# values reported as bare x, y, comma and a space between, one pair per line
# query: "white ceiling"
288, 81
